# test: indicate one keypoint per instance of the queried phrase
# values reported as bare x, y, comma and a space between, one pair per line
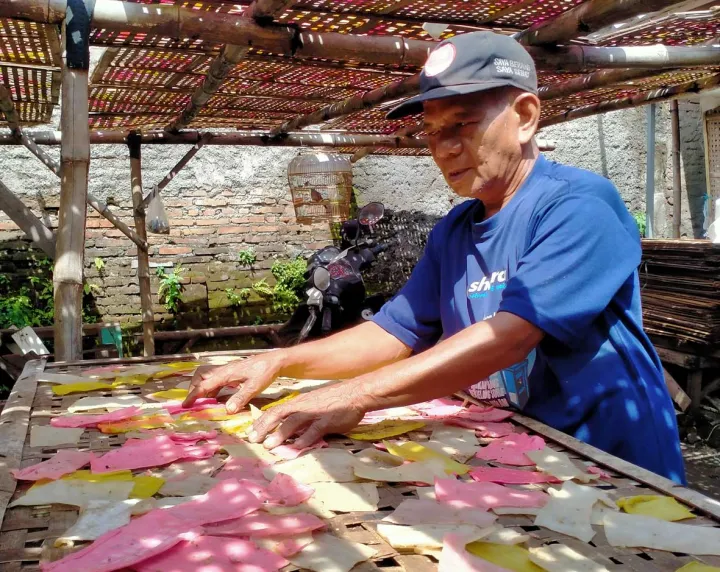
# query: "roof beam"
407, 131
654, 96
586, 18
223, 64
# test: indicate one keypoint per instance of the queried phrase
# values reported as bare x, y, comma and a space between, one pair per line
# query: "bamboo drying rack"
26, 533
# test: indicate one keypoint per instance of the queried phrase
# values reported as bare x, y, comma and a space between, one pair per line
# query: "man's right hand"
251, 376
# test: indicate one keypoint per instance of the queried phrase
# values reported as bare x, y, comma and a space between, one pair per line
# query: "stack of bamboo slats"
680, 282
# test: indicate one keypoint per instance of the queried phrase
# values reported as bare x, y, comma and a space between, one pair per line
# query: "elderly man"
527, 294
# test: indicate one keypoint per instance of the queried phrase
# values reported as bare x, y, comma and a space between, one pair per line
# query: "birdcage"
321, 187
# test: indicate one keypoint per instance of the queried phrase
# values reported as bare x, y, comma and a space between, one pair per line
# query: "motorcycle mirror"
321, 278
371, 214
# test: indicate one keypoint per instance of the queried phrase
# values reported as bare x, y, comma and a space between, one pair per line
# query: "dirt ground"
702, 465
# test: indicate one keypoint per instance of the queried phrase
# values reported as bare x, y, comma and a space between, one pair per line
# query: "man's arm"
454, 364
348, 353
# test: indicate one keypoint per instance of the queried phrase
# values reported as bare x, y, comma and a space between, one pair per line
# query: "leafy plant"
641, 222
99, 264
247, 257
34, 305
170, 290
237, 298
289, 285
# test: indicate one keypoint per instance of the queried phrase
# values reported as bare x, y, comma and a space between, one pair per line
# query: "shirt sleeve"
413, 314
580, 254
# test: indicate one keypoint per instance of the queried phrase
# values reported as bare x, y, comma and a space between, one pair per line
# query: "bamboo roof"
143, 82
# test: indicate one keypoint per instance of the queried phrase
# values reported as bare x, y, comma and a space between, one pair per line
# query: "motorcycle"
336, 294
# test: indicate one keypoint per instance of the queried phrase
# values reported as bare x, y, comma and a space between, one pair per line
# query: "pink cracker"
437, 408
227, 500
262, 525
454, 558
511, 450
289, 452
193, 437
593, 470
486, 495
139, 454
482, 428
283, 490
510, 476
63, 462
485, 414
145, 537
93, 420
175, 407
214, 554
243, 468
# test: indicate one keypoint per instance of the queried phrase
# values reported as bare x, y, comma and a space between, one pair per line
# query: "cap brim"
414, 105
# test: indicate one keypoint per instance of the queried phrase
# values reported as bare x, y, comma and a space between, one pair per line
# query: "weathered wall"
227, 199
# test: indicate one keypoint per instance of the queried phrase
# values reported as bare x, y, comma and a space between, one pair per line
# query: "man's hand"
251, 375
311, 416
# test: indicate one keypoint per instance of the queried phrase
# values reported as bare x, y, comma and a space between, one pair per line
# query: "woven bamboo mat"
27, 533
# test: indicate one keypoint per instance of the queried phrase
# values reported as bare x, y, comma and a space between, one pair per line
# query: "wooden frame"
22, 410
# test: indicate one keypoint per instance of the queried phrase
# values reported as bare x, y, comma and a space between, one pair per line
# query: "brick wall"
205, 237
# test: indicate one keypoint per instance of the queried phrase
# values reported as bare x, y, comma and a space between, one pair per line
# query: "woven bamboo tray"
27, 533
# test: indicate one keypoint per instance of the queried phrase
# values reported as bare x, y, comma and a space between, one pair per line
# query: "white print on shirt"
480, 288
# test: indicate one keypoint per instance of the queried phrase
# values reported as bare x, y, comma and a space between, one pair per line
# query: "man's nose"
447, 146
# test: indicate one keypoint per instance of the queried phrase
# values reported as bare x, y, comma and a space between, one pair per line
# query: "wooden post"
677, 183
22, 216
7, 107
75, 161
143, 271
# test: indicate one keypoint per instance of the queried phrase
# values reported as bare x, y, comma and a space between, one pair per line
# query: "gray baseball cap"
470, 63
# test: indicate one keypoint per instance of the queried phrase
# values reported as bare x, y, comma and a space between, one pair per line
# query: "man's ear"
527, 109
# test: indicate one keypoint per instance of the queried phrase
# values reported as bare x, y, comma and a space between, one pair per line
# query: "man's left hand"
309, 417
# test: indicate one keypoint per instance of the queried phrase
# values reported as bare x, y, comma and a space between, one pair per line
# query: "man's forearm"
452, 365
349, 353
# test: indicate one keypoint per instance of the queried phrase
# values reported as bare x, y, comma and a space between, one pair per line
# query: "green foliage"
639, 217
289, 285
34, 306
99, 264
171, 288
247, 257
237, 299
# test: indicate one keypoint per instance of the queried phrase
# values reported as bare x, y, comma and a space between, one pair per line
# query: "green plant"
641, 222
237, 298
289, 285
247, 257
170, 290
34, 305
99, 264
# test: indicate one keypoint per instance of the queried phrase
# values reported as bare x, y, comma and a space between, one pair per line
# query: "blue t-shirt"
563, 254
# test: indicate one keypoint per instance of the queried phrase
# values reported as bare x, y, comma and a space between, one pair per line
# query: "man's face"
474, 140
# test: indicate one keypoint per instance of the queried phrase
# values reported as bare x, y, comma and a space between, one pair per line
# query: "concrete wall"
227, 199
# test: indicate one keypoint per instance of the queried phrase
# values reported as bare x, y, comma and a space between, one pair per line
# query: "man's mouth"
457, 174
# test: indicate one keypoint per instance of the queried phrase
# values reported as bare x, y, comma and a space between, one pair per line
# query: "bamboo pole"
586, 18
407, 131
143, 270
406, 86
260, 139
22, 216
654, 96
75, 159
677, 184
95, 203
174, 21
175, 170
219, 69
593, 80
